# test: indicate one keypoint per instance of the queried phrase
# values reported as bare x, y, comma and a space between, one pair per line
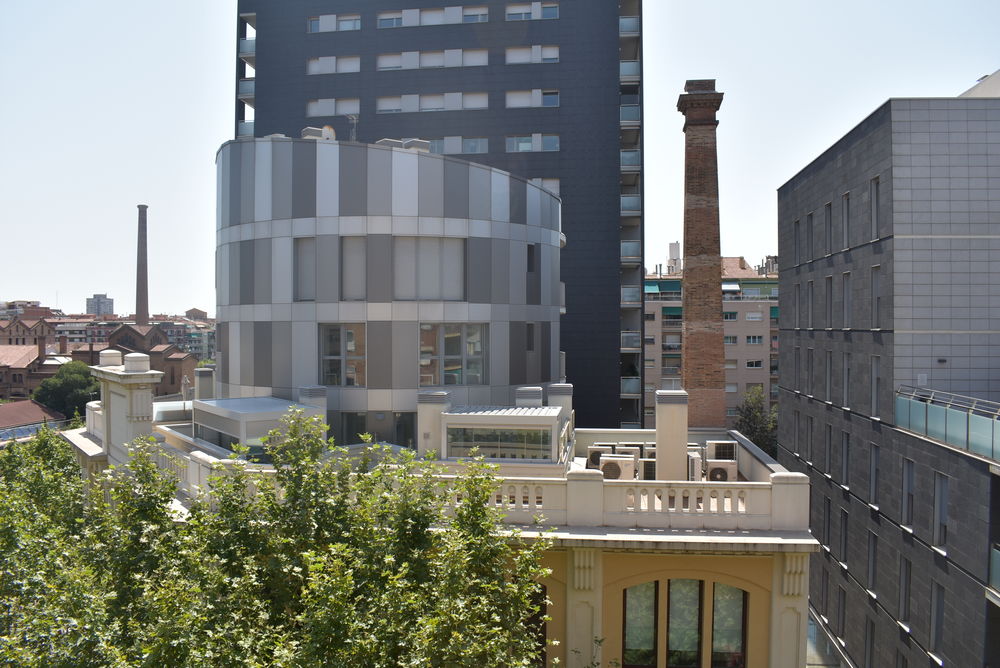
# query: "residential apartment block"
100, 304
890, 362
749, 319
547, 91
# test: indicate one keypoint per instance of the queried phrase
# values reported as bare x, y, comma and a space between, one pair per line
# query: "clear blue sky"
118, 102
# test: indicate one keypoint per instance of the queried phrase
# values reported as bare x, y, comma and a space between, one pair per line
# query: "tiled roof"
178, 355
18, 357
505, 411
18, 413
160, 348
737, 267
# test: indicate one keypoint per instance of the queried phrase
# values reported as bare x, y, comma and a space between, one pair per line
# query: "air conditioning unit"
634, 450
721, 470
722, 450
649, 451
594, 454
647, 469
694, 466
618, 467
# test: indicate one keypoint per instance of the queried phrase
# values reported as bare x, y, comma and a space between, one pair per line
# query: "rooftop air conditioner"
721, 450
634, 450
694, 466
618, 467
594, 454
647, 469
721, 470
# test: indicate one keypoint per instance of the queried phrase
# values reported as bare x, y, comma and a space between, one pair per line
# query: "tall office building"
890, 362
100, 304
547, 91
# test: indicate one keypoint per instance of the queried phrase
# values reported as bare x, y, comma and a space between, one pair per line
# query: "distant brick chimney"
702, 352
141, 275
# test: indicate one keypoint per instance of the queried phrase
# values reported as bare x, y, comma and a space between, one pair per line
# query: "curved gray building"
376, 272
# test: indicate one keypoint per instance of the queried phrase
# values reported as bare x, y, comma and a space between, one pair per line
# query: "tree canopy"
325, 562
69, 390
758, 421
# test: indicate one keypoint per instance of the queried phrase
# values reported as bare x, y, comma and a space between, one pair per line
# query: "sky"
113, 103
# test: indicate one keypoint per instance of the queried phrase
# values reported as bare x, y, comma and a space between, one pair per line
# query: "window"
810, 430
906, 507
552, 185
876, 385
731, 411
475, 57
352, 22
827, 453
432, 17
797, 304
452, 354
828, 303
730, 364
389, 61
937, 616
332, 107
845, 283
684, 627
869, 643
843, 536
432, 103
500, 443
824, 594
873, 473
810, 304
797, 432
312, 24
905, 570
872, 560
518, 98
639, 625
845, 220
475, 15
729, 340
390, 20
388, 105
435, 146
550, 142
810, 248
550, 54
519, 144
730, 315
755, 340
519, 12
729, 606
304, 257
475, 101
795, 242
475, 145
940, 509
342, 355
550, 10
732, 387
353, 265
845, 380
827, 521
876, 297
755, 364
845, 458
550, 98
518, 55
828, 376
873, 191
428, 268
828, 227
430, 60
755, 316
841, 611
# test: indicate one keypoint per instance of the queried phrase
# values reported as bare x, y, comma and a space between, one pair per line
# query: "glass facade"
452, 354
684, 627
729, 606
342, 355
639, 628
498, 443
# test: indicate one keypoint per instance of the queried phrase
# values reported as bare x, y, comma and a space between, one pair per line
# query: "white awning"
730, 287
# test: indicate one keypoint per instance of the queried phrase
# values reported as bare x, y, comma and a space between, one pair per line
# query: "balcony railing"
630, 386
630, 113
729, 297
246, 87
628, 69
673, 324
631, 294
248, 48
630, 158
671, 371
962, 422
631, 203
631, 250
628, 25
631, 340
245, 129
664, 296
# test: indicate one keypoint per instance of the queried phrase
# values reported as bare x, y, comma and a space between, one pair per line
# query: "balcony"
631, 296
248, 51
245, 90
670, 371
628, 26
631, 253
631, 341
244, 129
671, 347
630, 115
631, 387
673, 324
631, 205
629, 71
630, 160
962, 422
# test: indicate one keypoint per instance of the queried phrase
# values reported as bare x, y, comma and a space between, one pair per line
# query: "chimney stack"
141, 276
702, 352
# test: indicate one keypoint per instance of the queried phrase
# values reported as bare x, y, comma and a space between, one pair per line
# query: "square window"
550, 142
550, 98
312, 24
755, 364
730, 315
729, 340
519, 12
519, 144
475, 15
755, 340
550, 11
390, 20
732, 387
475, 145
349, 23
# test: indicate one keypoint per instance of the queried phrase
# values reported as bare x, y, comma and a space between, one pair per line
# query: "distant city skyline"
104, 116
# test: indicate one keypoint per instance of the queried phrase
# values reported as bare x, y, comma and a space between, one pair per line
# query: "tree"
328, 561
758, 421
69, 390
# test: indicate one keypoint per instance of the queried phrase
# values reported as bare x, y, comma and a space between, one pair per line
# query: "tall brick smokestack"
702, 353
141, 273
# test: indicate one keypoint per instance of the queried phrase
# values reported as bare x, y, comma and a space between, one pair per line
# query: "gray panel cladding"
480, 193
518, 354
379, 268
327, 268
262, 271
235, 169
501, 279
456, 189
479, 274
546, 353
222, 352
247, 371
219, 423
379, 360
353, 180
281, 358
234, 273
303, 179
405, 355
246, 179
262, 347
379, 181
430, 187
281, 180
518, 202
246, 272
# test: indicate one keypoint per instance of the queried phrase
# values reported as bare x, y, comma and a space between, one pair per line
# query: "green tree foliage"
69, 390
758, 421
320, 564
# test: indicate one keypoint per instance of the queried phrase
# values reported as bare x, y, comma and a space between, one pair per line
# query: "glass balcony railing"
672, 371
245, 129
248, 47
246, 87
631, 340
631, 385
628, 24
631, 249
631, 294
962, 422
628, 68
630, 158
995, 567
629, 113
631, 203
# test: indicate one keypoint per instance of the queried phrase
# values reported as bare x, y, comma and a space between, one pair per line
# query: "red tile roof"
19, 413
160, 348
18, 357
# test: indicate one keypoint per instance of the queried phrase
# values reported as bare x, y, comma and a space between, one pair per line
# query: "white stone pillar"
126, 399
584, 606
671, 434
430, 432
789, 610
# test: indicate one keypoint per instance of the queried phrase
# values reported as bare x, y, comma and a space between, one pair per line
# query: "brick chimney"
702, 353
141, 277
